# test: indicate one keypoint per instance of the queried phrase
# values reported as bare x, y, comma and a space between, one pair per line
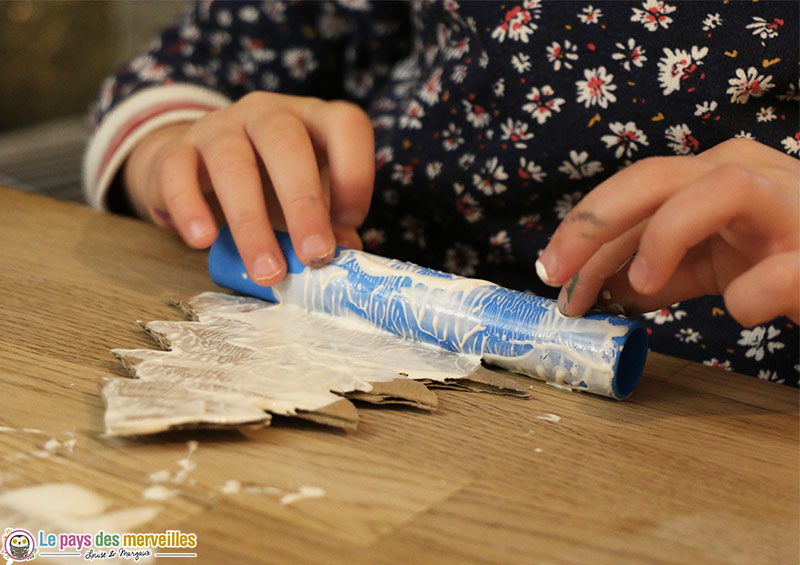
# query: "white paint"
231, 486
20, 430
302, 493
246, 356
537, 450
52, 445
541, 271
160, 476
64, 507
158, 492
549, 417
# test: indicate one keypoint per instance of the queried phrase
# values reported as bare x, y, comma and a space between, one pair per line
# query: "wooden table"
699, 466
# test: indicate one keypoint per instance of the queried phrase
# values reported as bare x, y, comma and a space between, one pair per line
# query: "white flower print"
224, 18
411, 118
677, 66
468, 206
483, 60
360, 5
275, 11
792, 144
384, 121
413, 231
530, 170
748, 83
543, 103
768, 375
358, 83
531, 221
521, 62
499, 87
516, 131
630, 54
566, 203
688, 335
501, 248
597, 89
792, 94
451, 137
466, 160
627, 138
373, 238
299, 61
403, 173
461, 259
433, 169
489, 177
759, 341
681, 140
764, 29
476, 115
654, 14
255, 49
744, 135
717, 364
578, 167
766, 114
270, 81
148, 69
558, 55
712, 21
590, 15
248, 14
666, 315
518, 22
704, 110
383, 155
429, 93
459, 74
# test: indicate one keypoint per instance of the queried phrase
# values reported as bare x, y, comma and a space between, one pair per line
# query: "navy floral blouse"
492, 119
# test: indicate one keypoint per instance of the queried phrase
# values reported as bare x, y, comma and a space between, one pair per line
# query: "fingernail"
197, 230
639, 275
318, 248
544, 266
266, 266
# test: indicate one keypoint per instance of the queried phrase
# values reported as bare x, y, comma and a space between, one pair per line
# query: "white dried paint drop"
549, 417
160, 476
158, 492
68, 508
231, 486
303, 493
537, 450
52, 445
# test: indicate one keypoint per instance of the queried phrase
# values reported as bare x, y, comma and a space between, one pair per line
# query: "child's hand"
267, 161
723, 222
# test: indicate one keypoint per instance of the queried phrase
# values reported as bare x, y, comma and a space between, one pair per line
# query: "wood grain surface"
698, 466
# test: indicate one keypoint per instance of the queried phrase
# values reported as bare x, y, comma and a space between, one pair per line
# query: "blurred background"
53, 56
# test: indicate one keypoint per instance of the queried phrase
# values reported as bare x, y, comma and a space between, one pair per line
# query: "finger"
179, 202
580, 293
343, 134
758, 155
696, 275
232, 168
768, 290
703, 209
615, 206
347, 237
285, 148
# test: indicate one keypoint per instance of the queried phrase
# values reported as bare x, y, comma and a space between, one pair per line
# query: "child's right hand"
267, 161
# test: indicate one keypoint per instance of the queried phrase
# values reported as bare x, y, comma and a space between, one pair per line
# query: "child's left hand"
723, 222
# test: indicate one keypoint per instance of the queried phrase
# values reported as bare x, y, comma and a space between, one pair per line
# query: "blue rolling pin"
601, 354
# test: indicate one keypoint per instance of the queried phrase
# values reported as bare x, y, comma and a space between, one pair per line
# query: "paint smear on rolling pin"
601, 354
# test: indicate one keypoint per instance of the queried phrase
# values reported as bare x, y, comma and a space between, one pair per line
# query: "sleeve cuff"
127, 124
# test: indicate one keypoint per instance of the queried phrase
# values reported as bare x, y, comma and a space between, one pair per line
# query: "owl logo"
18, 545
